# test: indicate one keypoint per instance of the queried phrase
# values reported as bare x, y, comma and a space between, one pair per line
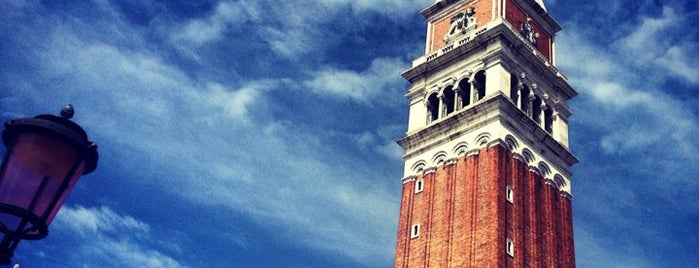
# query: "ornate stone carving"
461, 23
528, 31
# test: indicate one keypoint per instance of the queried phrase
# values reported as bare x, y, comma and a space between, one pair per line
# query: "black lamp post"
45, 157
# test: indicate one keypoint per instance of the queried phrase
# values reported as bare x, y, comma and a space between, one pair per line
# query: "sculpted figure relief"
460, 24
528, 31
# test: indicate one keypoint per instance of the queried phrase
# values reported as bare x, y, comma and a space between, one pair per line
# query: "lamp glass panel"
34, 172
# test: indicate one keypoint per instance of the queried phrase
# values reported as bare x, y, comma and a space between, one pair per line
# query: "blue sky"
261, 133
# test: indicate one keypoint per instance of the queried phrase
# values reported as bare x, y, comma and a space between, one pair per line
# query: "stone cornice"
451, 127
550, 178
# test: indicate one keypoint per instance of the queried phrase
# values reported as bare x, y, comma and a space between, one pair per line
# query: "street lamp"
45, 157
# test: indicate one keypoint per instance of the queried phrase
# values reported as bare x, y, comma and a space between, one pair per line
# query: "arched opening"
509, 194
545, 169
510, 247
528, 156
464, 93
514, 88
433, 106
560, 182
548, 120
524, 100
448, 99
439, 158
418, 167
512, 143
479, 85
536, 110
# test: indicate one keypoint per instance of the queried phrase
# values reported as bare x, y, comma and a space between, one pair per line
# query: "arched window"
560, 182
524, 100
448, 100
433, 106
464, 92
510, 247
548, 120
415, 230
514, 88
509, 194
479, 85
419, 185
536, 110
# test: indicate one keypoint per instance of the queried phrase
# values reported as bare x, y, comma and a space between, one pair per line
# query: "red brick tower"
487, 163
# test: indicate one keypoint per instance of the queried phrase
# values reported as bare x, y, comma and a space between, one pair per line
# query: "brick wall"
465, 218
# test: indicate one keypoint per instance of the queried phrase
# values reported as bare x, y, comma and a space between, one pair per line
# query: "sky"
262, 133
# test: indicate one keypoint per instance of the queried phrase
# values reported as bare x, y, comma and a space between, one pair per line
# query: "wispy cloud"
208, 141
624, 97
654, 46
381, 142
97, 220
289, 29
594, 252
193, 35
283, 114
634, 134
370, 85
109, 239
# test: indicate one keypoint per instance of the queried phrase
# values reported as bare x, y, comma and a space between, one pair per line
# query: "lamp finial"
68, 111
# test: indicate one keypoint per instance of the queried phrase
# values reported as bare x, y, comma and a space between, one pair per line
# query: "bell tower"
487, 164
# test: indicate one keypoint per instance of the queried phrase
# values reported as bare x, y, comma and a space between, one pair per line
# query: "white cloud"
387, 7
647, 37
289, 28
235, 103
194, 136
382, 142
316, 201
97, 220
655, 45
201, 131
634, 112
302, 25
199, 32
389, 148
638, 118
292, 42
681, 60
131, 89
370, 85
365, 140
635, 136
591, 251
108, 238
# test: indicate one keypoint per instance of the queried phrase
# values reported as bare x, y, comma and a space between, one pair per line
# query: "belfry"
487, 163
